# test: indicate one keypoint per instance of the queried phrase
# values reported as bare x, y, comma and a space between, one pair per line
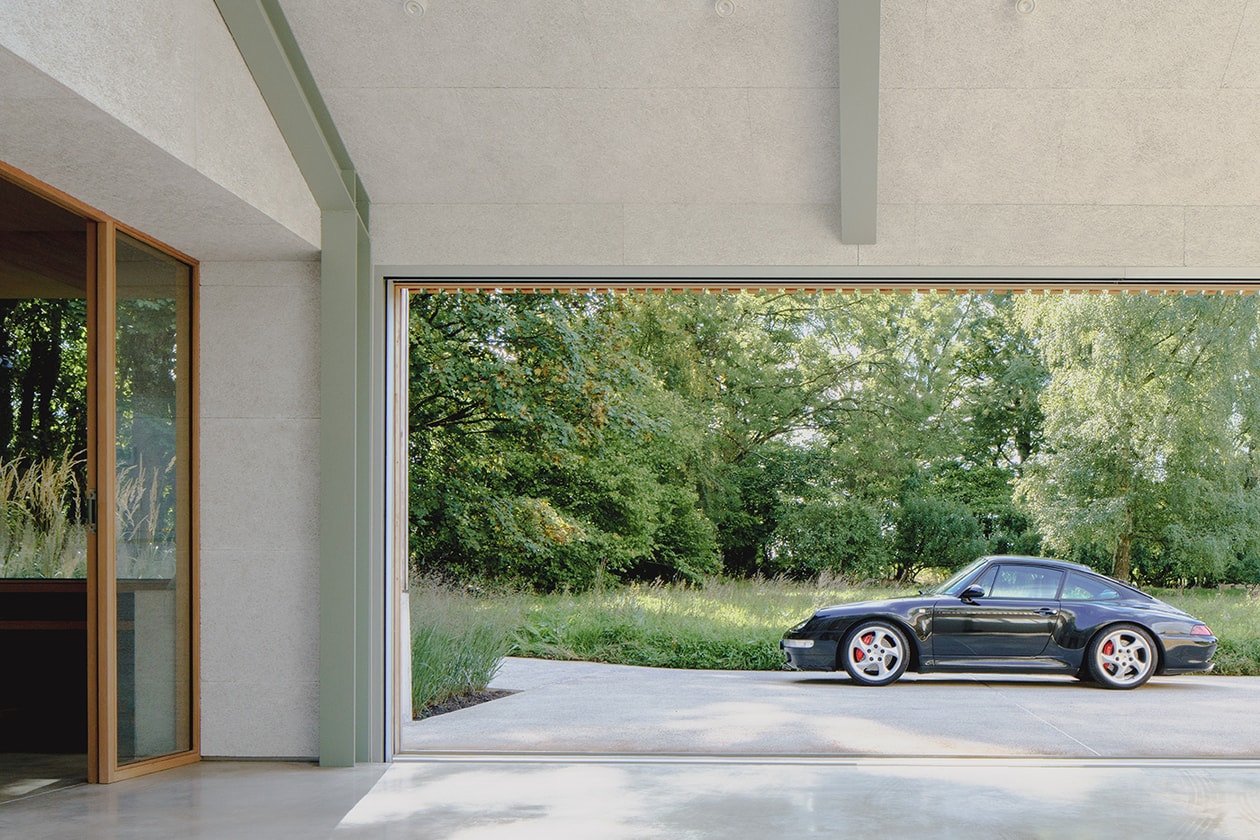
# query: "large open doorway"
97, 571
1180, 310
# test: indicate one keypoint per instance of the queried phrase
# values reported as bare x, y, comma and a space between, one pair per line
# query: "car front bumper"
810, 654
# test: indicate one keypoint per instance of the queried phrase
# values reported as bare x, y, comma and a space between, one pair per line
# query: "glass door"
149, 638
98, 573
44, 503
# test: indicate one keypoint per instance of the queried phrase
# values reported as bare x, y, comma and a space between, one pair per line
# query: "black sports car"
1008, 614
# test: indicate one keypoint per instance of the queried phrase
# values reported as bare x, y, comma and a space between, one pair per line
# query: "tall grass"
41, 530
144, 521
458, 641
725, 624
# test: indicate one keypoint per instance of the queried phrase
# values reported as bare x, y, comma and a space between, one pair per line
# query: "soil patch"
463, 701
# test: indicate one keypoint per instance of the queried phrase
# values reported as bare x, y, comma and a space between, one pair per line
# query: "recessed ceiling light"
725, 8
414, 8
1026, 6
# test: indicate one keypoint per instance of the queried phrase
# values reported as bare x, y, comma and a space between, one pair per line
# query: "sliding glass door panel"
152, 491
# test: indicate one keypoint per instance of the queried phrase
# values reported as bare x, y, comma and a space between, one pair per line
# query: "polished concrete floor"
694, 797
30, 774
589, 751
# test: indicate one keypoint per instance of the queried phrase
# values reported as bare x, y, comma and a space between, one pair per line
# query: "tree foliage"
558, 439
1150, 413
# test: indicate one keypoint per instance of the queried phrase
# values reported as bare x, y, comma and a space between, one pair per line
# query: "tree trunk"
1120, 558
6, 381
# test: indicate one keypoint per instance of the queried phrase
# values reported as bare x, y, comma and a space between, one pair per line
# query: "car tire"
875, 653
1122, 656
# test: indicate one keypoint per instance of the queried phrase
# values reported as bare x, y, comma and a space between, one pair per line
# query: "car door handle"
1047, 611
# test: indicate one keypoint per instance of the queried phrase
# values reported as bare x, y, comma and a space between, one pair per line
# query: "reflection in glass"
43, 388
152, 486
43, 481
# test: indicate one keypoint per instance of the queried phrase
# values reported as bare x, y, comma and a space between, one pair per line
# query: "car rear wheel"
875, 653
1123, 656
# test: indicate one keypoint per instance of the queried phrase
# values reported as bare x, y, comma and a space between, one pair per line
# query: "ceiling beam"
270, 51
859, 119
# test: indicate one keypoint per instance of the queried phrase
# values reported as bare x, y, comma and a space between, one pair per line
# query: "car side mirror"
971, 593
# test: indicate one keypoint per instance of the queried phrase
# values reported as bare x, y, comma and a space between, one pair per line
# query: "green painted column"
859, 119
338, 489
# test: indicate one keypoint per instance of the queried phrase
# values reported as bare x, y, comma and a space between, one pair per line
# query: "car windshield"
953, 584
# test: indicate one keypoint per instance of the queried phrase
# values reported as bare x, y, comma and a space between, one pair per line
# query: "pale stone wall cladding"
260, 508
145, 109
1087, 133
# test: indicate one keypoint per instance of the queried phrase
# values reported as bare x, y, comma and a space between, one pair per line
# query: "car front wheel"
1123, 656
875, 653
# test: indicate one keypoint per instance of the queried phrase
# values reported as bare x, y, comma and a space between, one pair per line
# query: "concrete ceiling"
666, 103
538, 101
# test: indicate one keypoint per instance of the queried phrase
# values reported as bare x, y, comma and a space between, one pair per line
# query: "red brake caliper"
1108, 649
858, 653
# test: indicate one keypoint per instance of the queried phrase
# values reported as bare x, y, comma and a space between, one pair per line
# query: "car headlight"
796, 628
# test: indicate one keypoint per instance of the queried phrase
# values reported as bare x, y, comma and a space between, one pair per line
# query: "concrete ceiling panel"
1101, 44
974, 147
567, 43
1244, 54
58, 137
1160, 147
412, 145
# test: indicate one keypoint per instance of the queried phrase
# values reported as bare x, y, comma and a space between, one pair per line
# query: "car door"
1014, 618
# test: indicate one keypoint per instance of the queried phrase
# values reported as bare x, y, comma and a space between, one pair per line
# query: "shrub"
841, 538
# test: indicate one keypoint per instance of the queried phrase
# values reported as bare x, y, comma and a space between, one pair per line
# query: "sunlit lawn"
725, 624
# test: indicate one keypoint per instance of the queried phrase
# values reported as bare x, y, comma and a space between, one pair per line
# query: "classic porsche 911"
1012, 615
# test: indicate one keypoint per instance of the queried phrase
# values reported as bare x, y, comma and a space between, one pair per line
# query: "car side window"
1026, 582
1081, 587
985, 581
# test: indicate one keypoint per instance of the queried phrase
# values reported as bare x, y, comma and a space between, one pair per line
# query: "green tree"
542, 450
1149, 406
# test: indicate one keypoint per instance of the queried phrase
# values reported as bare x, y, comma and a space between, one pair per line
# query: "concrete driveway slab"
583, 707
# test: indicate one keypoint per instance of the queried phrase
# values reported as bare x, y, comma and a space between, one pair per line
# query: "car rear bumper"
820, 656
1187, 654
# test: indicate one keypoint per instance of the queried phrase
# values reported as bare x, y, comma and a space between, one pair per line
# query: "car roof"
1042, 561
1061, 564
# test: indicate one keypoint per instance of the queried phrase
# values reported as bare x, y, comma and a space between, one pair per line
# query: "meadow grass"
459, 639
40, 532
724, 624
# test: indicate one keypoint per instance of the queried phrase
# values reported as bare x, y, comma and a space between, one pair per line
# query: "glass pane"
153, 437
43, 388
43, 482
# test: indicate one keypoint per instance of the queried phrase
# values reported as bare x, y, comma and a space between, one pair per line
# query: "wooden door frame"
102, 603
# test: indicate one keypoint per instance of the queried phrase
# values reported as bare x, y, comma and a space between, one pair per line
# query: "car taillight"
1200, 630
